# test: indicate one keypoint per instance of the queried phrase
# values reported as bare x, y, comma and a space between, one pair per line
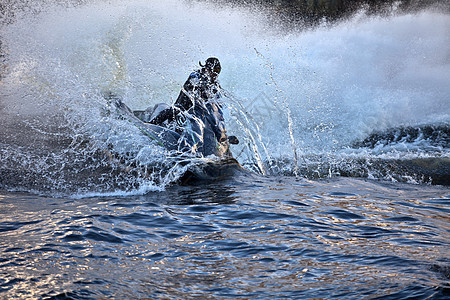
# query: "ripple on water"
305, 244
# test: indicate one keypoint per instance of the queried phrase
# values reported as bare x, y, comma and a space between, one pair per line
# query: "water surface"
250, 237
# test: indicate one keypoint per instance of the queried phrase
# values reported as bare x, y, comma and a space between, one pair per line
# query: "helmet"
212, 64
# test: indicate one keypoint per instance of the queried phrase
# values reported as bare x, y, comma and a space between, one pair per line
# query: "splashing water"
299, 103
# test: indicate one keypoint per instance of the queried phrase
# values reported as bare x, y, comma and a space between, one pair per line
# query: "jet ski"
187, 136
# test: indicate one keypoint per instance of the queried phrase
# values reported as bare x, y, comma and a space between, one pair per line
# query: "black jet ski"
188, 140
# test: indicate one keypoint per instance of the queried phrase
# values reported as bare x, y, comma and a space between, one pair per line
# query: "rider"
199, 97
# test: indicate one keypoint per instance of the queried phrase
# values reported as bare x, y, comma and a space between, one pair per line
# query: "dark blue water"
246, 237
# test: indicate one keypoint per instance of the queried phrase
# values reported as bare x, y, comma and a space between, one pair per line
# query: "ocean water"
344, 129
245, 237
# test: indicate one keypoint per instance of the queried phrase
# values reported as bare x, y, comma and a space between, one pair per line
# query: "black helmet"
213, 64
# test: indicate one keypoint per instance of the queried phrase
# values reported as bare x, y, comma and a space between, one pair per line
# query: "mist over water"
298, 99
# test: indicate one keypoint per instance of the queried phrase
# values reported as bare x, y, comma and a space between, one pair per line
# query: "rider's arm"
184, 100
167, 114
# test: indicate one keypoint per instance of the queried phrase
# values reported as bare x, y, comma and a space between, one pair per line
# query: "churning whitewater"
367, 97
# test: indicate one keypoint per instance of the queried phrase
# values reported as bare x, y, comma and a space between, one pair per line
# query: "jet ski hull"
212, 171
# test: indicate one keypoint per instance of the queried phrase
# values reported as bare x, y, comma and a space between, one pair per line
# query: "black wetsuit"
199, 98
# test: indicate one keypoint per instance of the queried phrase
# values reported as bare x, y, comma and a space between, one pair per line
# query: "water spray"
288, 111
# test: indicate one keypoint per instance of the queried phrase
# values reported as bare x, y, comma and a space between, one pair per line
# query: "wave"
405, 154
433, 136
